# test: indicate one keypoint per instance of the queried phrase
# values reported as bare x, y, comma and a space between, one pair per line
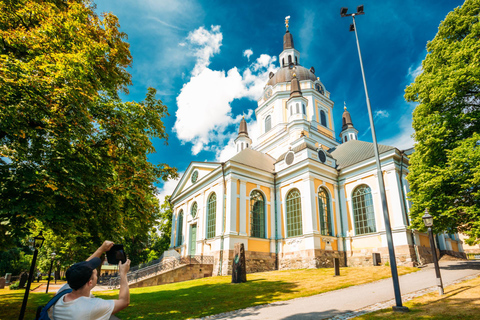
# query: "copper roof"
295, 88
285, 74
243, 127
346, 120
288, 41
355, 151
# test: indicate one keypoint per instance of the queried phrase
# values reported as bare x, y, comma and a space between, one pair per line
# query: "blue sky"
209, 61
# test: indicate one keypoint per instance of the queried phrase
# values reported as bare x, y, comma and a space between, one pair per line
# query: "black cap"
79, 274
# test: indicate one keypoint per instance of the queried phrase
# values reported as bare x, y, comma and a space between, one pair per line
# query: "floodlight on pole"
388, 228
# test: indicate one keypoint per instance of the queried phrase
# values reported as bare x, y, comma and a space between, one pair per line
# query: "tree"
73, 156
445, 167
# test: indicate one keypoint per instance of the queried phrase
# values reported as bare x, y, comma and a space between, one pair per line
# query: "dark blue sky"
194, 54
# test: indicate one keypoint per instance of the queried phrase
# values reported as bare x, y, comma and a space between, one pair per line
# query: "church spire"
243, 141
295, 90
348, 130
287, 38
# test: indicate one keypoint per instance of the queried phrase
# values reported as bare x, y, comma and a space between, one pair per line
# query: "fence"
161, 266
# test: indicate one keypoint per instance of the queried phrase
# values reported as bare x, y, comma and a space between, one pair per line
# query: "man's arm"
124, 294
106, 245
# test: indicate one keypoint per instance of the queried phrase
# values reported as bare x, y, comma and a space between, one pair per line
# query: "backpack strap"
44, 313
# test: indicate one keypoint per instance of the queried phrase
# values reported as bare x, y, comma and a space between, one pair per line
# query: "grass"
207, 296
461, 301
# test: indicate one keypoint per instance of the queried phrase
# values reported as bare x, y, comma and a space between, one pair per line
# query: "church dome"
285, 74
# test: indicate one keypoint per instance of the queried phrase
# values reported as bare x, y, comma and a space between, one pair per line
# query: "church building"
300, 196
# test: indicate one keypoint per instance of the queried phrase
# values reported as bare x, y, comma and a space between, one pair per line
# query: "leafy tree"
73, 156
445, 167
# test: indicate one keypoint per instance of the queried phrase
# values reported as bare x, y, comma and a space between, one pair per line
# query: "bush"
15, 285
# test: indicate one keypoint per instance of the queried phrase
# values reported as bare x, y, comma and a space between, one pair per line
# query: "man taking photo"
82, 277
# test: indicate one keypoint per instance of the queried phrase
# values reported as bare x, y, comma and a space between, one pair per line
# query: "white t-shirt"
83, 308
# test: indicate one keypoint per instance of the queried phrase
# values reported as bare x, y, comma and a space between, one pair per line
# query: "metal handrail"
161, 266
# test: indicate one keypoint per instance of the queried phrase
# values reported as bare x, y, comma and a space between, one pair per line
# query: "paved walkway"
353, 301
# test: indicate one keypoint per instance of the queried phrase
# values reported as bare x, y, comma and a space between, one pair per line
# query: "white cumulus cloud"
247, 53
204, 103
206, 44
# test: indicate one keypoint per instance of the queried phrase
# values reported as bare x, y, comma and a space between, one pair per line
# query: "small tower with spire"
243, 141
348, 130
296, 104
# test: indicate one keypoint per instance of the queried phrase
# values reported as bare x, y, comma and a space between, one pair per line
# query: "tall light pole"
428, 221
388, 229
50, 272
37, 242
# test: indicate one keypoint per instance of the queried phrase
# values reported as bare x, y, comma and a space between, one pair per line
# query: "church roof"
255, 159
285, 74
300, 147
355, 151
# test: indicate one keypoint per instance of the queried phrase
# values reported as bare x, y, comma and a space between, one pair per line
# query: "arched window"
194, 209
283, 61
257, 215
298, 108
211, 215
303, 109
324, 212
296, 60
323, 118
289, 59
291, 110
294, 214
268, 123
345, 138
179, 228
363, 214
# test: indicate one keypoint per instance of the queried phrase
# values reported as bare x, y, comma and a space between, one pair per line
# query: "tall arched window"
324, 212
296, 60
363, 214
211, 215
283, 62
291, 110
294, 214
298, 108
268, 123
179, 228
323, 118
304, 109
289, 59
257, 215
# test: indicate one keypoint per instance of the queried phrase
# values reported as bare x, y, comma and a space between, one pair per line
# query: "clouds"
205, 44
204, 111
247, 53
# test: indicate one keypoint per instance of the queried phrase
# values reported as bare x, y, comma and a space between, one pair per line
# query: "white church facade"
299, 197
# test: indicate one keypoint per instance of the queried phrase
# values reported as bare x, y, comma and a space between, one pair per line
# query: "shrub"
15, 285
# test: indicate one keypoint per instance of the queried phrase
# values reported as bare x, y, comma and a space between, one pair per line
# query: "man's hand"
106, 246
123, 268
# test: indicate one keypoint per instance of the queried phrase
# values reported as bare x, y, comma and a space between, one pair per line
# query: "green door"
193, 239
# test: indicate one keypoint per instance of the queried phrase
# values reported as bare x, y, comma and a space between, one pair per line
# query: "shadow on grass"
463, 265
10, 304
202, 300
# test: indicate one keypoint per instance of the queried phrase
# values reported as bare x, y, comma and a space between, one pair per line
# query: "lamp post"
388, 229
38, 243
428, 222
50, 272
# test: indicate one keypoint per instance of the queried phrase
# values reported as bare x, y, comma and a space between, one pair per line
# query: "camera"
116, 254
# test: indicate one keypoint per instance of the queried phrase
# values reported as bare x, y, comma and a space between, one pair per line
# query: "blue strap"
55, 299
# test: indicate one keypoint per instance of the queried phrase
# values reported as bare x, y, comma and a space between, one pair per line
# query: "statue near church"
239, 268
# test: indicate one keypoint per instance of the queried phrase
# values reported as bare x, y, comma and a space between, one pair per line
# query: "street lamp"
38, 243
50, 272
388, 229
428, 222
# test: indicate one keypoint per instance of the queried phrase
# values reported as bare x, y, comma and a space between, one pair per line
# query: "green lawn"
202, 297
461, 301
